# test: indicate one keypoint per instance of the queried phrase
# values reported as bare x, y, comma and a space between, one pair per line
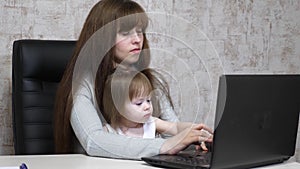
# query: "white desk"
78, 161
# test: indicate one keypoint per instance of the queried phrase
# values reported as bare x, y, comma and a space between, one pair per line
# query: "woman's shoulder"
84, 86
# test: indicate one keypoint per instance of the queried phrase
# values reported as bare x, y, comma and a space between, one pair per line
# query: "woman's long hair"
103, 13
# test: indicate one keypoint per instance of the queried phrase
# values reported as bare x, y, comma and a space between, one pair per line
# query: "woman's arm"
167, 112
88, 129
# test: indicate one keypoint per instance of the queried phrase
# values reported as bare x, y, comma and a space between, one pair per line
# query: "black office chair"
37, 68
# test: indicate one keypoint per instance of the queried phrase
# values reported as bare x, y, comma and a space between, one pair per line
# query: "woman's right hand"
198, 133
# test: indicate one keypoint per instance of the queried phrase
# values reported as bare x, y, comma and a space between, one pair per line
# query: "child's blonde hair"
120, 88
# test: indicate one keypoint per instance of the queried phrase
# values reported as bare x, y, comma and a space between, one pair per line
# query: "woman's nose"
136, 37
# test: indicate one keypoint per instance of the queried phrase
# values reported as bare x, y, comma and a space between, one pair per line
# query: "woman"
111, 37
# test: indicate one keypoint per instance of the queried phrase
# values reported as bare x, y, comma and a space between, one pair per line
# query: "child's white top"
149, 129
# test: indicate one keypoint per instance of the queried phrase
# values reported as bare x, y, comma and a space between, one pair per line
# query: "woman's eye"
139, 31
124, 33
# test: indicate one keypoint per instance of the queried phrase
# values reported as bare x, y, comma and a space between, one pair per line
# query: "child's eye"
138, 103
148, 100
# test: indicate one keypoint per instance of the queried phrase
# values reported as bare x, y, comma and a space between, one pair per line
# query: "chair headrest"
43, 59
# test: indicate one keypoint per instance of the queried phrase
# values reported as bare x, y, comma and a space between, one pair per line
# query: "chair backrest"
37, 68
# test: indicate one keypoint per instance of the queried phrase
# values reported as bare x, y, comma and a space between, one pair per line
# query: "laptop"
256, 124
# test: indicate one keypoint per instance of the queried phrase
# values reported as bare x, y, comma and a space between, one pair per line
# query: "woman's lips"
136, 50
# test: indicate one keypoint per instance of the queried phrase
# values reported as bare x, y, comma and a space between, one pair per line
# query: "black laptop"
256, 124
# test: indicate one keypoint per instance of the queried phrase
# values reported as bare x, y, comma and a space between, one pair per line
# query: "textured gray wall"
229, 36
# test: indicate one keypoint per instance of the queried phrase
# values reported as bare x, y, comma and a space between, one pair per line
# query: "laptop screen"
256, 119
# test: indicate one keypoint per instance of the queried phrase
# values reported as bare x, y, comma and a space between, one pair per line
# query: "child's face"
138, 110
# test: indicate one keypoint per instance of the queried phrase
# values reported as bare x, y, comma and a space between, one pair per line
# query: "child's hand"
206, 136
205, 146
196, 134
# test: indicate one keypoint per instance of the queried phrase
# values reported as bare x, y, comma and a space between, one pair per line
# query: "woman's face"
129, 45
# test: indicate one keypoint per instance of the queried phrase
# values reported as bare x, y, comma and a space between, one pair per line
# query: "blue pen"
23, 166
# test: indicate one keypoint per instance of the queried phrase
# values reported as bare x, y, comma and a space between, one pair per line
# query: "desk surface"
78, 161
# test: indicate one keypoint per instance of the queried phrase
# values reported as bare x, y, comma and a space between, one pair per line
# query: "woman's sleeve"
88, 129
167, 111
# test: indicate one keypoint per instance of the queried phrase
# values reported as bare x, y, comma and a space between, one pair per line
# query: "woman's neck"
124, 66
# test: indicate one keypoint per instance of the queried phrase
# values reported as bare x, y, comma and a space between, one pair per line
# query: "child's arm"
186, 132
171, 128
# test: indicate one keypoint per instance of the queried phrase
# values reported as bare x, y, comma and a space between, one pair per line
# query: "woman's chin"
132, 58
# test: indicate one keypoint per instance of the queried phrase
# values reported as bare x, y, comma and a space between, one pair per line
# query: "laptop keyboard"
189, 158
194, 157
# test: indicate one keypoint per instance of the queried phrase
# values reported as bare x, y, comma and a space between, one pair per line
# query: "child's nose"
147, 106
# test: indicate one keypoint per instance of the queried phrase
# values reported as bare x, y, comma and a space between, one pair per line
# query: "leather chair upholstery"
37, 68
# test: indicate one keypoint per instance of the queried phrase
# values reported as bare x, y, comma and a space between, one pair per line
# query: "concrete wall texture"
246, 36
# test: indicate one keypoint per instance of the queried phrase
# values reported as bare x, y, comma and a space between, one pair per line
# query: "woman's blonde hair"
120, 88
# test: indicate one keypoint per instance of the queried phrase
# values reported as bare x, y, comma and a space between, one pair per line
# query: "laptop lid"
256, 120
